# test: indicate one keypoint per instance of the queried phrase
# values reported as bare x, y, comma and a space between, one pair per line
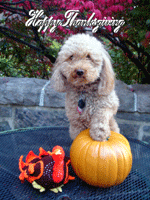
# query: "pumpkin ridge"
97, 179
120, 137
89, 144
101, 149
114, 158
119, 171
125, 167
96, 159
114, 136
124, 150
80, 155
127, 161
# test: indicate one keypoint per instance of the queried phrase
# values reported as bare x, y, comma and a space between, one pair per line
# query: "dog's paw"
100, 133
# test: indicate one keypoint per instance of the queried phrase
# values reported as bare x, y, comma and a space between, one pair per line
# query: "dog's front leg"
99, 126
75, 129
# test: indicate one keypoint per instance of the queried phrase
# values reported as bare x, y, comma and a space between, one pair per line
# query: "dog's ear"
107, 77
58, 80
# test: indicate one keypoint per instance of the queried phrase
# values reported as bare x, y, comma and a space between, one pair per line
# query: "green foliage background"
20, 61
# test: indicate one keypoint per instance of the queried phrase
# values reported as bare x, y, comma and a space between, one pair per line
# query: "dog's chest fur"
92, 101
71, 104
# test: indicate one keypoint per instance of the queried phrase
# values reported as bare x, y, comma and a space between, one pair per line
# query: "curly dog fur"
83, 70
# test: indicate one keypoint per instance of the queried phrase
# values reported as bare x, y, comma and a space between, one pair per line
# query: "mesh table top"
15, 143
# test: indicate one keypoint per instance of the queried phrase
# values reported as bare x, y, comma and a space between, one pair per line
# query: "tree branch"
14, 3
139, 49
126, 51
13, 10
37, 39
15, 32
44, 51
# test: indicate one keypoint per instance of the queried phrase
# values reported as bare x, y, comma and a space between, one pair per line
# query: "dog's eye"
71, 57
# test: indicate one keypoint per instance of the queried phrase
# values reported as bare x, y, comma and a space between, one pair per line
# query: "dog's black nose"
80, 72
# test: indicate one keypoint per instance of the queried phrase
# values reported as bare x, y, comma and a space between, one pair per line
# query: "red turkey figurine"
49, 170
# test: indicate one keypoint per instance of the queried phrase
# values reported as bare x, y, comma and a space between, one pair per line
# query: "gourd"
102, 164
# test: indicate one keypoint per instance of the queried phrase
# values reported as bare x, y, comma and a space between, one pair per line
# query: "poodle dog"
83, 70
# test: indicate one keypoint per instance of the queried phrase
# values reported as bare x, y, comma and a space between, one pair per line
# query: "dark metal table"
15, 143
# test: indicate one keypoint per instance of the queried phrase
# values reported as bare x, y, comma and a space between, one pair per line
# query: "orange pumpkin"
102, 164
